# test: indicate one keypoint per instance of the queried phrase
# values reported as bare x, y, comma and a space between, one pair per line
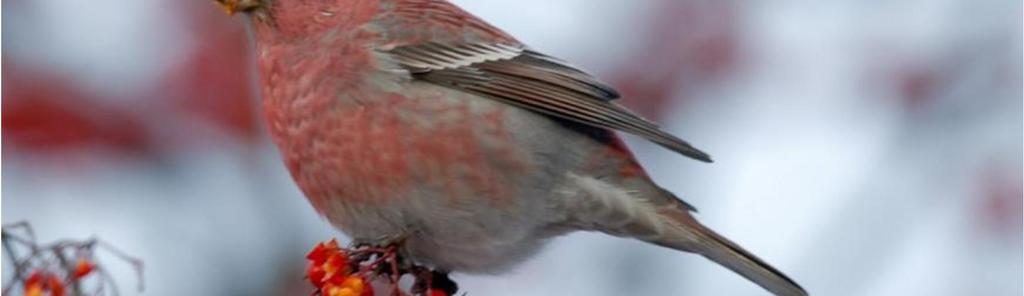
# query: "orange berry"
354, 282
331, 290
346, 291
34, 290
82, 269
359, 285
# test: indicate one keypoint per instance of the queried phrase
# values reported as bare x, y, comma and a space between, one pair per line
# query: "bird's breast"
365, 144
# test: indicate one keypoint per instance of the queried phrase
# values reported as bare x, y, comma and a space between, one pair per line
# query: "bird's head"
302, 17
247, 6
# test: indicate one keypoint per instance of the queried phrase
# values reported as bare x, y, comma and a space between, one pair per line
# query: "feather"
531, 80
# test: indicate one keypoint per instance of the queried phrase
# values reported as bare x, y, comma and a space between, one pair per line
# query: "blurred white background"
863, 147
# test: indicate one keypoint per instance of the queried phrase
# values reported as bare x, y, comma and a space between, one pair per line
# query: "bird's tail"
726, 253
665, 220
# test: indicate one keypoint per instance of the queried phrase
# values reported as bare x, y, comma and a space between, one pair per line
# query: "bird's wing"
531, 80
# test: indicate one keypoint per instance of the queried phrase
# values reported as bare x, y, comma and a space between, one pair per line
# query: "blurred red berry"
83, 268
34, 290
34, 279
40, 283
55, 285
44, 112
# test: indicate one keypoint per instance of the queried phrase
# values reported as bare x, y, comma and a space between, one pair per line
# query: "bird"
416, 121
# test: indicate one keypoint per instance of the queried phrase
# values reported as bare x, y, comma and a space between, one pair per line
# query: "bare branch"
64, 263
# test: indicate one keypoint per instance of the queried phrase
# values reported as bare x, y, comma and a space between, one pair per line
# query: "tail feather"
661, 218
687, 234
726, 253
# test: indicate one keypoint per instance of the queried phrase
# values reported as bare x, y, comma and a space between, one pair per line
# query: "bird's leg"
384, 258
428, 280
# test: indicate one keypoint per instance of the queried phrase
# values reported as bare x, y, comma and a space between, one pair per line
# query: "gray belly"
480, 191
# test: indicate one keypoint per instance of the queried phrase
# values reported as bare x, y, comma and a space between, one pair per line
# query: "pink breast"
395, 144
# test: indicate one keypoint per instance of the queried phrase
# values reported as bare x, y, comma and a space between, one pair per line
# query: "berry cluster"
45, 283
331, 272
335, 271
65, 267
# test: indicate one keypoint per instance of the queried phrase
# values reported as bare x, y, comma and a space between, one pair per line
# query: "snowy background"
863, 147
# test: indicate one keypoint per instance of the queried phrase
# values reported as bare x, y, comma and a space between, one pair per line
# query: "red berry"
35, 278
336, 264
82, 269
316, 275
323, 251
55, 286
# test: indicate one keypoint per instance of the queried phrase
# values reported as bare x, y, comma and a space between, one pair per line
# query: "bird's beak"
233, 6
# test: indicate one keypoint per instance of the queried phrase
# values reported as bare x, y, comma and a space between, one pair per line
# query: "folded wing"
534, 81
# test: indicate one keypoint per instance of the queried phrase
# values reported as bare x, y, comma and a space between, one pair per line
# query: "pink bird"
414, 121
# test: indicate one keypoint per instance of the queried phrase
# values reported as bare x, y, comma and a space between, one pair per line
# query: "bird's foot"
430, 282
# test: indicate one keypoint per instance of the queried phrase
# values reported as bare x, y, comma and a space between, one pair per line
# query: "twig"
18, 268
60, 255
